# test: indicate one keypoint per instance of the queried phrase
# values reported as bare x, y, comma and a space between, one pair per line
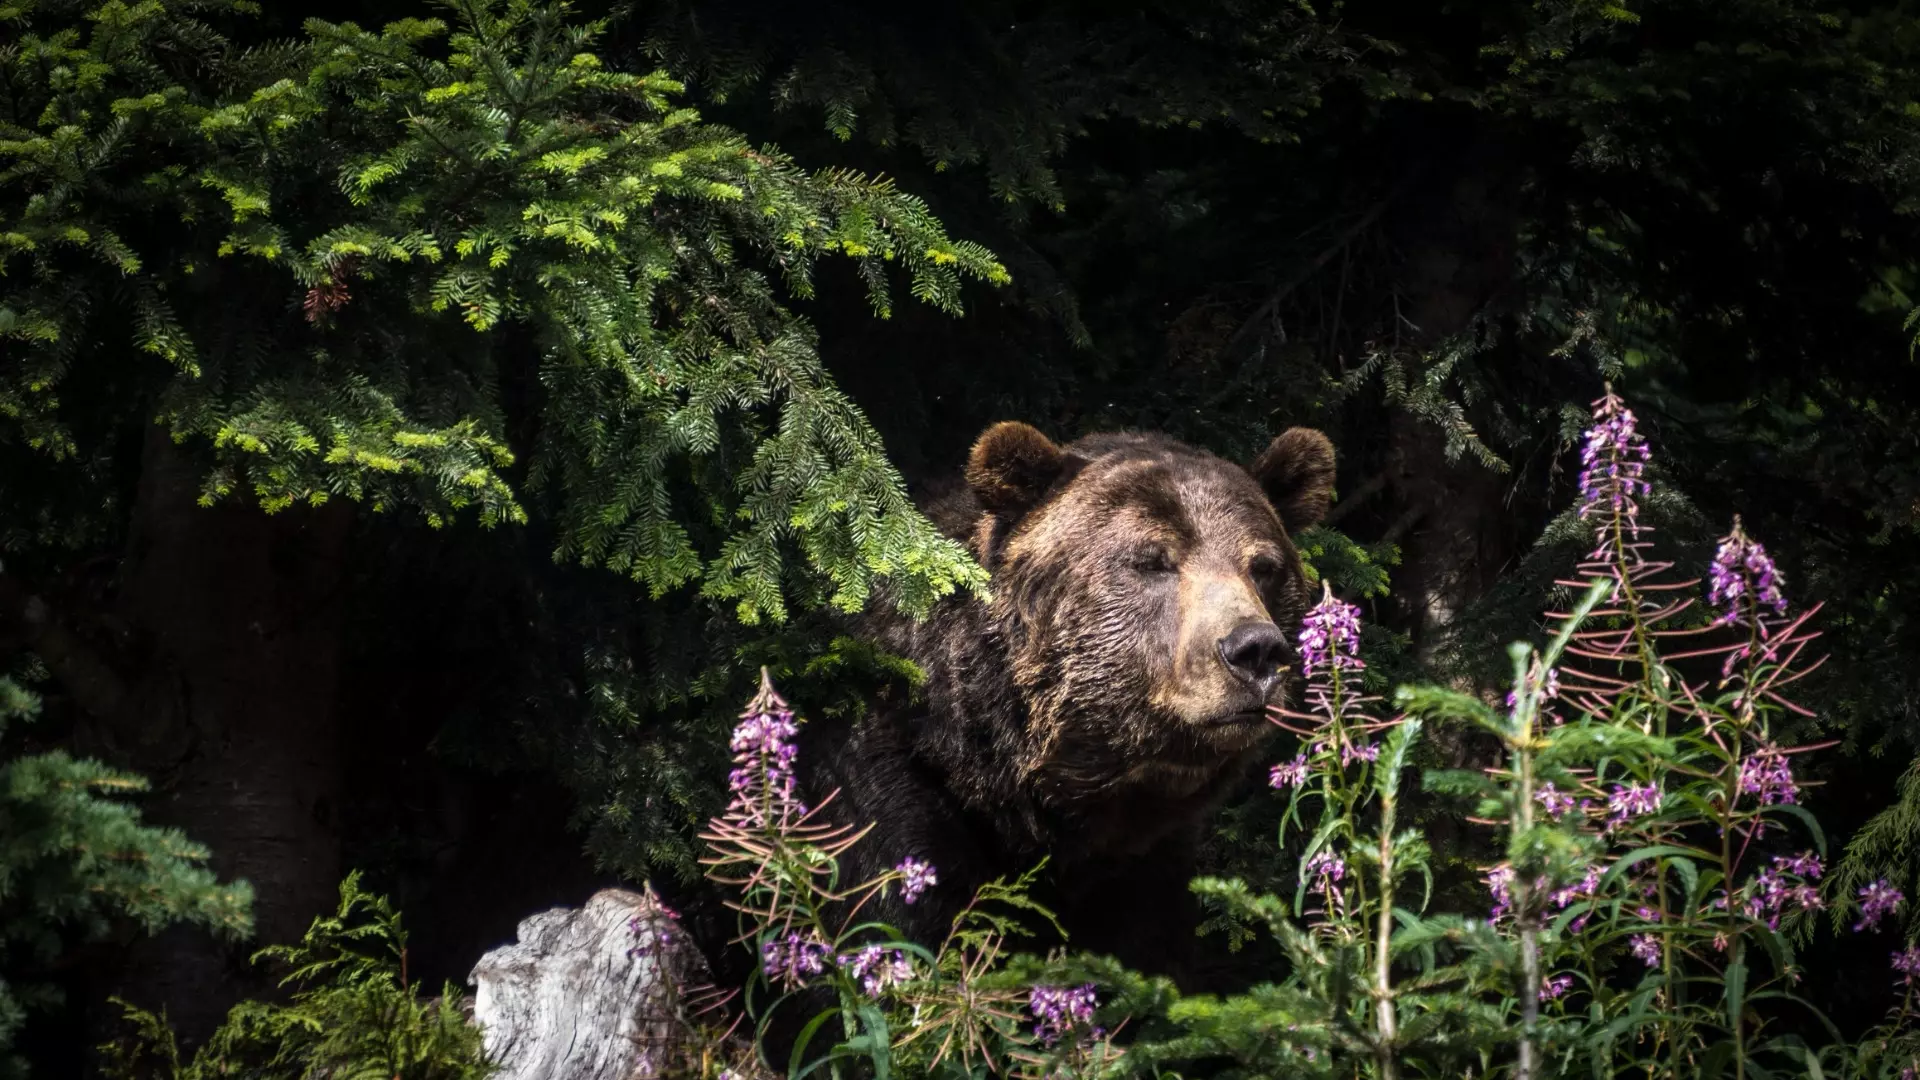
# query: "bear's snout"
1257, 654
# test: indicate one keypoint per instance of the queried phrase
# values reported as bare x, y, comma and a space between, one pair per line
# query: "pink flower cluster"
877, 968
1907, 963
792, 959
1330, 636
1631, 801
1768, 776
1877, 901
1772, 891
1553, 800
1613, 466
1742, 569
762, 781
1289, 774
919, 875
1060, 1010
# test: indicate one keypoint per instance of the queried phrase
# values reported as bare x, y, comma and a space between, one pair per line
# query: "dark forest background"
1434, 230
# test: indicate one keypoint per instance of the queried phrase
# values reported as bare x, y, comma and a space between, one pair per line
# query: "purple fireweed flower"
1330, 636
1554, 986
1290, 774
1323, 871
1806, 896
919, 875
1326, 866
1549, 688
1556, 802
764, 733
762, 782
1579, 890
1806, 864
649, 937
1583, 889
1907, 963
1631, 801
1877, 901
877, 968
1743, 570
1613, 463
1500, 884
1769, 895
1351, 752
793, 959
1647, 948
1768, 775
1058, 1010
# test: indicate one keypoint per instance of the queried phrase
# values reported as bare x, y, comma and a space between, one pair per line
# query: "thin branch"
1355, 497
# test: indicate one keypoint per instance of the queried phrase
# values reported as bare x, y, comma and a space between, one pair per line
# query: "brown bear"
1104, 699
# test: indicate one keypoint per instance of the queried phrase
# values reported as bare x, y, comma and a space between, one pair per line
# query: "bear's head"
1146, 592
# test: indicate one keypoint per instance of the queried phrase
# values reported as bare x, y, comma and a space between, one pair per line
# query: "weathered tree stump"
593, 993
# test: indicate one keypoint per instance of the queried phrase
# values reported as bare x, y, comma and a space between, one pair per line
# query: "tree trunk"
228, 708
1459, 240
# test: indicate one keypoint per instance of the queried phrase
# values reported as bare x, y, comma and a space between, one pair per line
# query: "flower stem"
1383, 957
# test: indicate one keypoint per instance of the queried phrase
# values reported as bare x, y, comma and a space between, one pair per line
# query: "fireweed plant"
1655, 839
962, 1010
1654, 853
1654, 867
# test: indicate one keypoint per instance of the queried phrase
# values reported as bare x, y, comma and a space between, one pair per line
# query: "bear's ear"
1012, 466
1296, 471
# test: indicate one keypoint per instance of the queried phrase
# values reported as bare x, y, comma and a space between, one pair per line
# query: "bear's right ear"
1013, 466
1296, 471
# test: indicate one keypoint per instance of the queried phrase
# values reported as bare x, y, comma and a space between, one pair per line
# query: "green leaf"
1736, 990
1393, 758
1441, 703
1639, 855
873, 1025
805, 1037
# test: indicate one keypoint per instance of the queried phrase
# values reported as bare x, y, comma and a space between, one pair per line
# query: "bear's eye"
1152, 559
1266, 569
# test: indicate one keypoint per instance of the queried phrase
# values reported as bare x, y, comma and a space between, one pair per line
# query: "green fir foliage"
353, 261
77, 865
352, 1016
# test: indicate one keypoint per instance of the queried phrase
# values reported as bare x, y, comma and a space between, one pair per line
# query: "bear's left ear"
1296, 471
1013, 466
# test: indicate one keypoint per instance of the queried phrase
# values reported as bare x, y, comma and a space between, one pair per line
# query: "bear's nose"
1255, 652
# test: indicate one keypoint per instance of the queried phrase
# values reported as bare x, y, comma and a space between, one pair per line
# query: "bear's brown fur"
1106, 697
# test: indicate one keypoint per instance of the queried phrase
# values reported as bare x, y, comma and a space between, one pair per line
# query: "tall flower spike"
1329, 652
768, 847
1613, 464
762, 782
1743, 574
1330, 636
1613, 651
1746, 591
